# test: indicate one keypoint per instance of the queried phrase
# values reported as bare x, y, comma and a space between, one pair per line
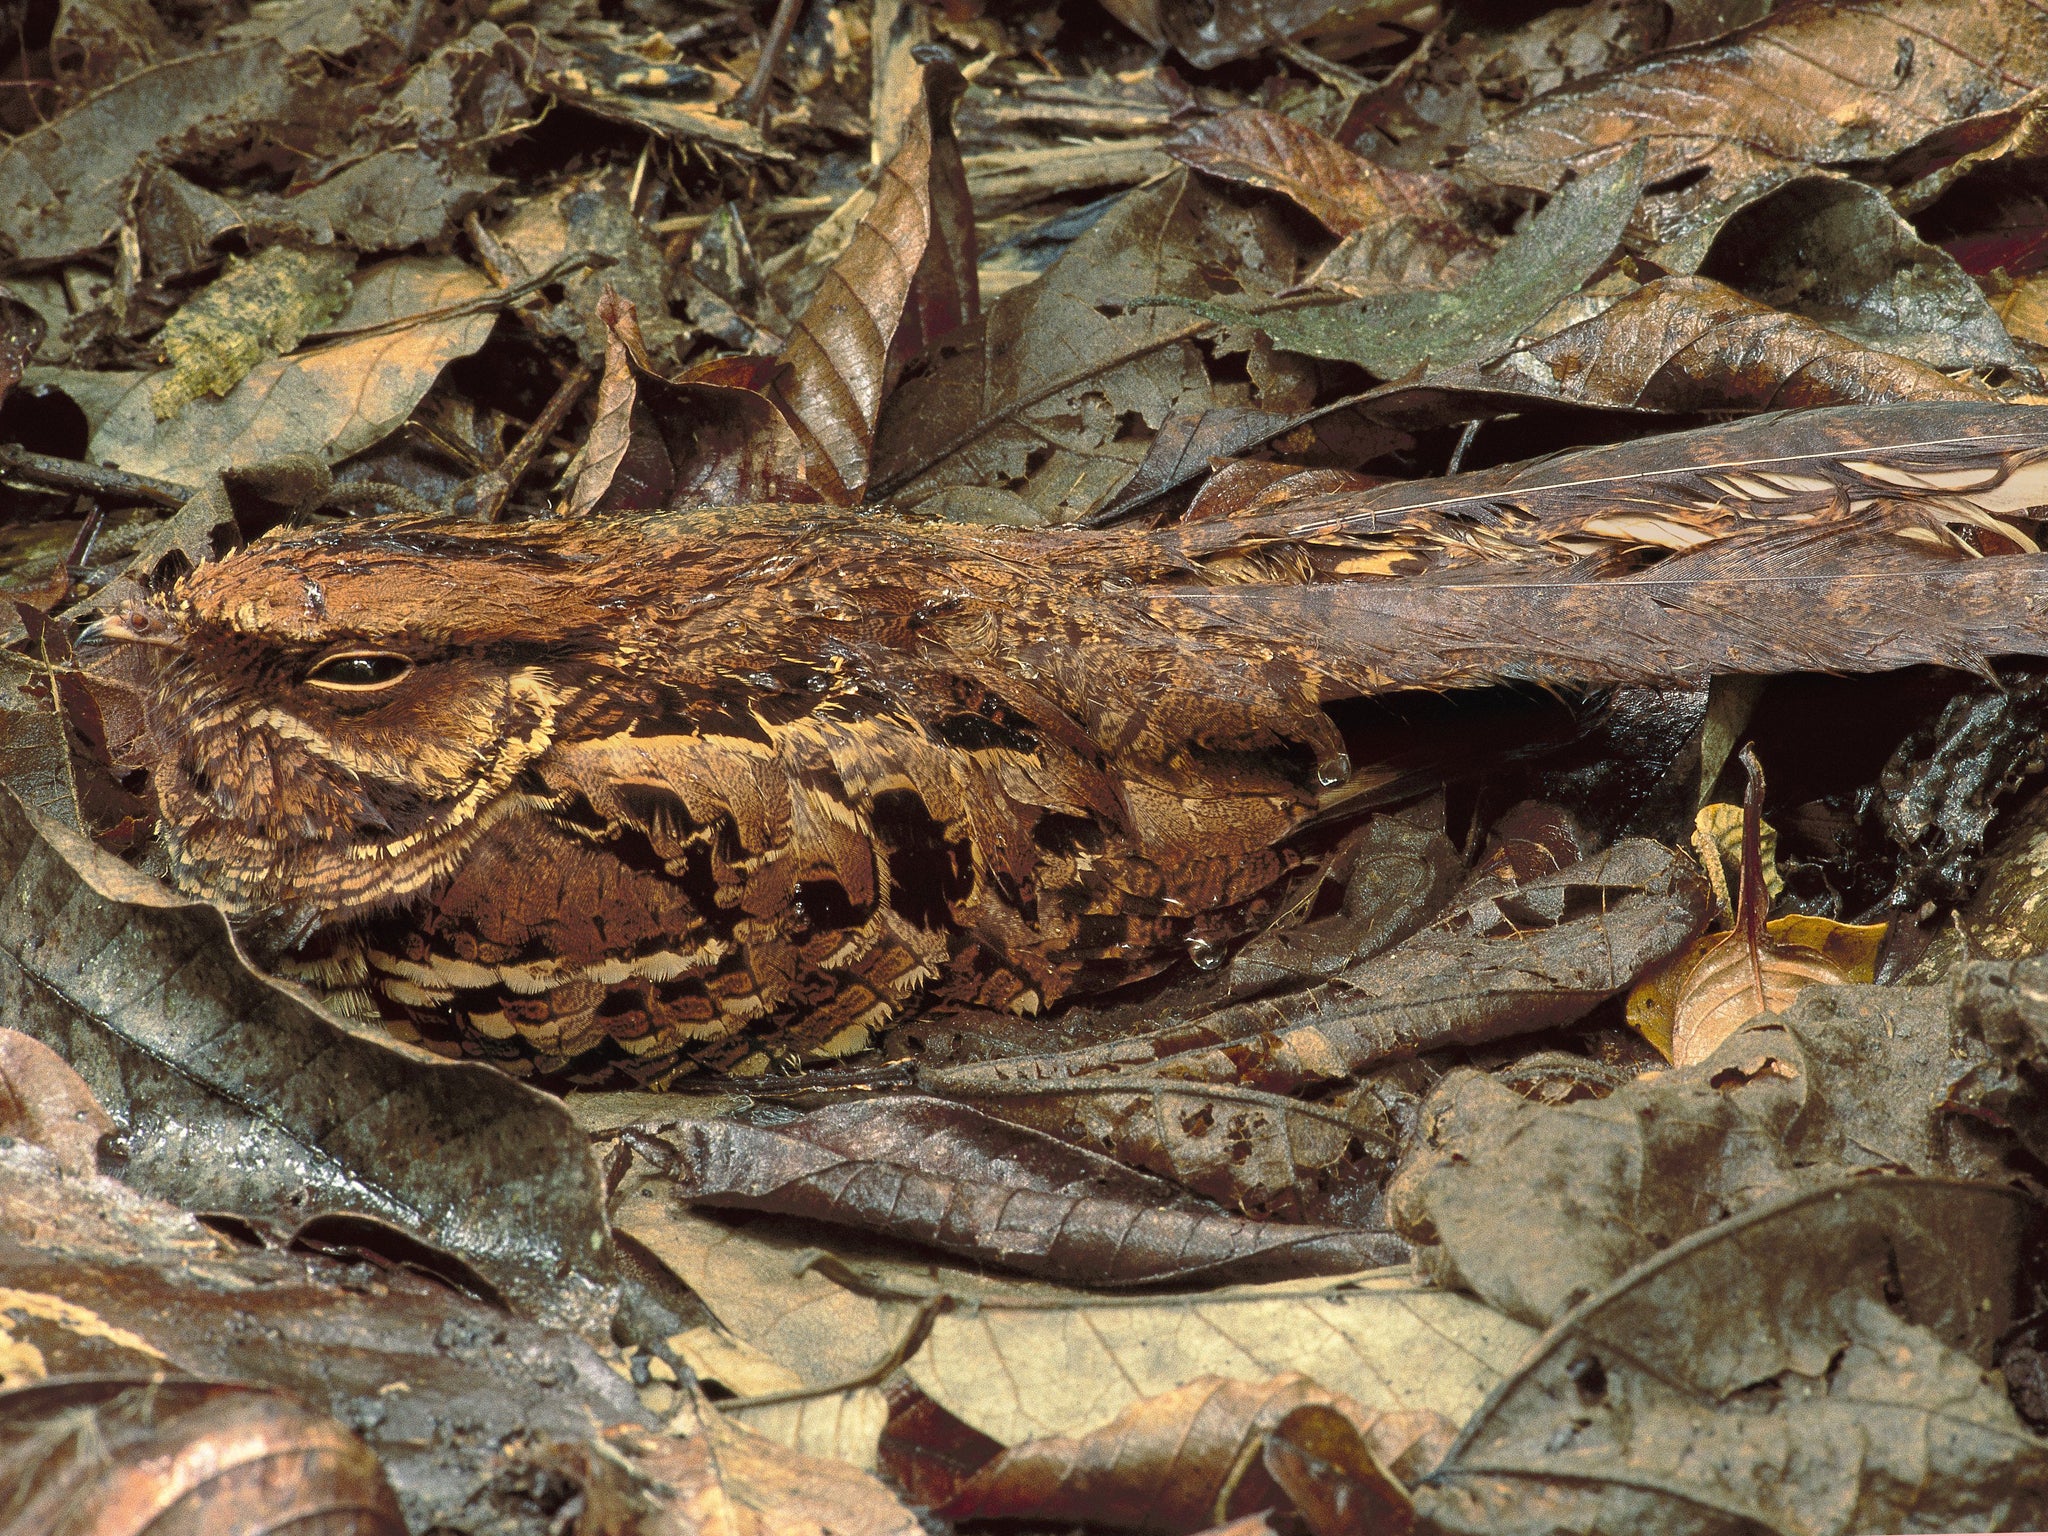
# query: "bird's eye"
359, 671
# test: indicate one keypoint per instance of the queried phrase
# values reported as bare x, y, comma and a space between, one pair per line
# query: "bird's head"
335, 715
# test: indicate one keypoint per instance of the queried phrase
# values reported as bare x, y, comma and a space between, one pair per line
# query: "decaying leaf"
1464, 78
1533, 1205
710, 437
907, 280
330, 400
63, 186
253, 310
99, 1282
1808, 85
944, 1175
1401, 229
1019, 1359
720, 1477
1210, 35
1393, 333
1684, 344
592, 213
145, 1456
1819, 1363
1206, 1452
234, 1093
1055, 393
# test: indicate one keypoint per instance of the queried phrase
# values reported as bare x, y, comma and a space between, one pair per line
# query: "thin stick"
1464, 442
493, 488
75, 475
912, 1341
752, 101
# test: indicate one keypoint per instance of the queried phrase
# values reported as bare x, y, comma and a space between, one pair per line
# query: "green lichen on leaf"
256, 309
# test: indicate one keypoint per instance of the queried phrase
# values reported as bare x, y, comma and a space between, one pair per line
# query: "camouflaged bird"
623, 797
706, 787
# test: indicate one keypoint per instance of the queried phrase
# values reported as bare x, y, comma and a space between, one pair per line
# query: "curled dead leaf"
907, 280
108, 1456
1204, 1453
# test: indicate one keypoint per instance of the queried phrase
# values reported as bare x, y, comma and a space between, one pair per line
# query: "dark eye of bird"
357, 671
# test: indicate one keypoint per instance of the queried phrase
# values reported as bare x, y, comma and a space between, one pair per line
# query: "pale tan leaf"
1027, 1359
726, 1479
331, 400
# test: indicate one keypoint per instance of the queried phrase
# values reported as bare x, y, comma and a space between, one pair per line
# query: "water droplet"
1205, 955
1333, 771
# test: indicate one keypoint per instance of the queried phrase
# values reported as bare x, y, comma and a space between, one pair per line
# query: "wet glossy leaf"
1838, 253
233, 1093
96, 1280
943, 1175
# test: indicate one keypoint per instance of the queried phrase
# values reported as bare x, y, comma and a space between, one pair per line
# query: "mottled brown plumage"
629, 796
707, 787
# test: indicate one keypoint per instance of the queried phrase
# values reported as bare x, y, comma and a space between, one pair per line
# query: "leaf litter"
1484, 1184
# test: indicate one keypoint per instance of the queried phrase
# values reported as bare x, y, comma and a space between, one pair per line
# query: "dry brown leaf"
945, 1175
726, 1479
1849, 952
907, 280
712, 436
1346, 192
1401, 229
1727, 979
331, 400
611, 421
1683, 344
1055, 394
47, 1104
1208, 1451
1018, 1359
1809, 85
138, 1456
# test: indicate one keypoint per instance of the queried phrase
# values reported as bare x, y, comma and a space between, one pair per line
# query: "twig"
1464, 442
493, 488
482, 302
912, 1341
752, 101
75, 475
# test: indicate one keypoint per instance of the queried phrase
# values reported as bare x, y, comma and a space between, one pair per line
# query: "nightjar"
622, 797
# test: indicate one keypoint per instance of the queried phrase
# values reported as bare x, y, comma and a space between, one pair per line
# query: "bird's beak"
133, 625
